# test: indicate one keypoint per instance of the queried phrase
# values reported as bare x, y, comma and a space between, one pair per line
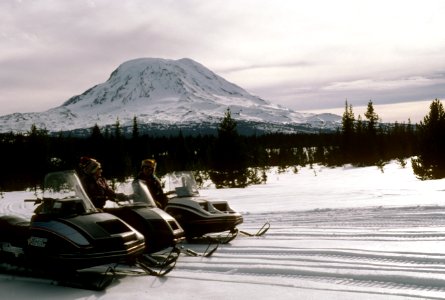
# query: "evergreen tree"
229, 160
95, 132
430, 163
96, 143
227, 149
369, 140
372, 118
348, 120
136, 149
135, 133
38, 158
117, 130
227, 127
359, 125
348, 134
118, 163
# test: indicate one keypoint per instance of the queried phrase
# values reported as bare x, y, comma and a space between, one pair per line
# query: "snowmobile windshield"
181, 184
133, 193
63, 192
141, 194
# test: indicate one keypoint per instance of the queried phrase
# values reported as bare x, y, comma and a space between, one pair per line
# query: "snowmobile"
66, 233
160, 229
201, 218
138, 209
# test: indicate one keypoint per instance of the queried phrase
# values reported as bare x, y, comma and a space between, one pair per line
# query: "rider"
147, 174
95, 184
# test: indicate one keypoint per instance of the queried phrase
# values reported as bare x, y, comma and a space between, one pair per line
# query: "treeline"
228, 159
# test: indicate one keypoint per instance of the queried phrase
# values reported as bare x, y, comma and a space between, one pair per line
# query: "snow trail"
379, 238
364, 250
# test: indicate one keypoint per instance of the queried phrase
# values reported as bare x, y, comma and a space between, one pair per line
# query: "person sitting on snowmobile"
95, 184
147, 175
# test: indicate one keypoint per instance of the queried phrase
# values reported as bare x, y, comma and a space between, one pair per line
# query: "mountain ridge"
165, 92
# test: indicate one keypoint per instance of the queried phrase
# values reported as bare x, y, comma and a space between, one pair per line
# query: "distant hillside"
167, 96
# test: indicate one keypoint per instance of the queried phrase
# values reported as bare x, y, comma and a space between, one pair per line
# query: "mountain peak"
153, 80
161, 91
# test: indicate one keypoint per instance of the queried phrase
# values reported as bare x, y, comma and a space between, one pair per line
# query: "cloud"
298, 54
391, 84
325, 94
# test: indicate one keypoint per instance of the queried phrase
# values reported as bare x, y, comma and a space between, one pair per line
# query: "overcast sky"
306, 55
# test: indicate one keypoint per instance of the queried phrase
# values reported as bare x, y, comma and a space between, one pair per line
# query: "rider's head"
148, 165
89, 165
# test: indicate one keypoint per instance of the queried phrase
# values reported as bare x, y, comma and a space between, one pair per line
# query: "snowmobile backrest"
183, 191
222, 206
61, 207
181, 183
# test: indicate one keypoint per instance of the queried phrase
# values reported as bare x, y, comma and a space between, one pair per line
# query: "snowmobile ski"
88, 280
216, 239
85, 279
260, 232
158, 264
207, 253
231, 235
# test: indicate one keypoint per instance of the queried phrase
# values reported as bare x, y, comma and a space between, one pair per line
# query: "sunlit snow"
336, 233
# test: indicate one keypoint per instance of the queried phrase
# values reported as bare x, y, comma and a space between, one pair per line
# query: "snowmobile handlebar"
37, 200
121, 197
40, 200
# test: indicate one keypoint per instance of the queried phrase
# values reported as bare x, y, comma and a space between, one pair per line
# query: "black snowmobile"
160, 229
67, 235
201, 218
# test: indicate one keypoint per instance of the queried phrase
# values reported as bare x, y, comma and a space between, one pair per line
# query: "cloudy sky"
306, 55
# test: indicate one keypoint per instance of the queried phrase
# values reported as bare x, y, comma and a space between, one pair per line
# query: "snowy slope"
161, 91
343, 233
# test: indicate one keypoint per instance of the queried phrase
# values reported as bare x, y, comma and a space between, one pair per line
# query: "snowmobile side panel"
159, 228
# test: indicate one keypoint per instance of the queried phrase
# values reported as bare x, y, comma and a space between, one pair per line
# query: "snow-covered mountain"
165, 94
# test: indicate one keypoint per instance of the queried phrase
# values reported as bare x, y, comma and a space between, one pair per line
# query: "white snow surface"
161, 91
336, 233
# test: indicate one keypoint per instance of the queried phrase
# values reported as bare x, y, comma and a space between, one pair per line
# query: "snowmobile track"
295, 263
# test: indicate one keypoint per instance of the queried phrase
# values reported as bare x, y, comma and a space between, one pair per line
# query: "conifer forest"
226, 157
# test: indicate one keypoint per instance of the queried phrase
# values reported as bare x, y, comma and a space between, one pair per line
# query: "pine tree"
38, 158
430, 163
117, 130
118, 160
359, 125
229, 162
95, 132
227, 127
348, 120
95, 146
372, 118
135, 133
228, 147
136, 148
348, 134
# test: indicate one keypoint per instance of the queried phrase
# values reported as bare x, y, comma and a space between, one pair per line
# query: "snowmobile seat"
13, 221
14, 226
